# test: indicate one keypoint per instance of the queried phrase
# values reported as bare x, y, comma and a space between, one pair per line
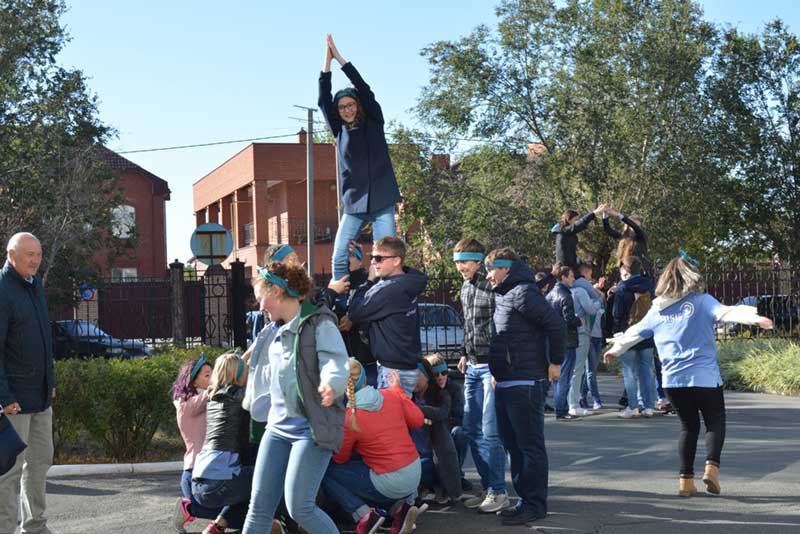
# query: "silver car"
441, 329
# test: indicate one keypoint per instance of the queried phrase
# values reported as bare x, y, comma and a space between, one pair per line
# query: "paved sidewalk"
608, 475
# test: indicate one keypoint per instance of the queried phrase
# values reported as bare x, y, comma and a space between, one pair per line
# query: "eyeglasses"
377, 258
443, 373
347, 107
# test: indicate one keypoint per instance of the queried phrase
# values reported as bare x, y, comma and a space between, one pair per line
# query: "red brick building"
145, 210
260, 195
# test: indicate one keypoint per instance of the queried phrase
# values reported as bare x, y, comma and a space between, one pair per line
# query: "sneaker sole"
495, 510
711, 486
410, 521
376, 526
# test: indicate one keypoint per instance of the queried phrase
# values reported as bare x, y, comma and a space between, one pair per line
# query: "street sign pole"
310, 189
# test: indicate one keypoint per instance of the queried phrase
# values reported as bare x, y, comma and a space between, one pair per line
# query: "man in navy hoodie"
526, 352
631, 301
386, 305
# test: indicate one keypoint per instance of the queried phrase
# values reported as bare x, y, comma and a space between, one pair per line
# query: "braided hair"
355, 374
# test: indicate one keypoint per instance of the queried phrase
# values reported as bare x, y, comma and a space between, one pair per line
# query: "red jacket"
384, 441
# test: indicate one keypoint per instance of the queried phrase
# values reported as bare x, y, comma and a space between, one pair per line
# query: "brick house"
145, 210
259, 194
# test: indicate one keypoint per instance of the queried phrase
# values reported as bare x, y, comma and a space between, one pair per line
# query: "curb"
113, 469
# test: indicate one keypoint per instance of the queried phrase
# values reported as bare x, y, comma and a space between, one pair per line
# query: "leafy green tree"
755, 89
52, 176
612, 93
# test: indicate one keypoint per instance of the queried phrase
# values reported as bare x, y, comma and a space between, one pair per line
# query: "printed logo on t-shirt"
685, 312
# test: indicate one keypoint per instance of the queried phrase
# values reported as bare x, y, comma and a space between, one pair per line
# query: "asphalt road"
607, 475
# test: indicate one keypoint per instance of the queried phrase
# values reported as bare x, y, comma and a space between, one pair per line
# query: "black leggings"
690, 403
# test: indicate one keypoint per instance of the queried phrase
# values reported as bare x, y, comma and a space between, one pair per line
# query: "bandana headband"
501, 264
468, 256
276, 280
358, 253
688, 258
240, 369
362, 378
440, 367
281, 253
197, 366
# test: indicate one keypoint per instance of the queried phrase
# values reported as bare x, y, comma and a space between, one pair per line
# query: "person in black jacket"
526, 350
368, 185
567, 230
27, 383
560, 298
632, 240
387, 302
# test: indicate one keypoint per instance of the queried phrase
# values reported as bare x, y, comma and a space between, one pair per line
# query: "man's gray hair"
13, 243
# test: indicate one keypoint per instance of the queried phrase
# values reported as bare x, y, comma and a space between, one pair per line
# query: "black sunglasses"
377, 258
442, 373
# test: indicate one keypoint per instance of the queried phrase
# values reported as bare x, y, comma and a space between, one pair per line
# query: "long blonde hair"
680, 278
355, 374
224, 374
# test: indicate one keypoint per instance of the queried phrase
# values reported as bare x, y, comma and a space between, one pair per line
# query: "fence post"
238, 308
177, 296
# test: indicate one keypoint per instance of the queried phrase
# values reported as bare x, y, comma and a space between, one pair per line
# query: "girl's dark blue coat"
366, 177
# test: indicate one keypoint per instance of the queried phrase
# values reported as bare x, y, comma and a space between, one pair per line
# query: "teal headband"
362, 378
440, 367
197, 366
358, 253
276, 280
468, 256
347, 91
421, 367
240, 370
688, 258
501, 264
281, 252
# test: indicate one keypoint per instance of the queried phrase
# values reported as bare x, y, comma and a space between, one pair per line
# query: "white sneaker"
648, 412
597, 406
661, 403
580, 412
494, 502
629, 413
472, 501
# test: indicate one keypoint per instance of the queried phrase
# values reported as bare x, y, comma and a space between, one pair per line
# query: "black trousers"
690, 403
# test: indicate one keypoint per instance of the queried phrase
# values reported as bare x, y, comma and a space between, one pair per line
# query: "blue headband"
281, 252
468, 256
197, 366
688, 258
276, 280
240, 370
347, 91
362, 378
421, 367
501, 264
440, 367
358, 253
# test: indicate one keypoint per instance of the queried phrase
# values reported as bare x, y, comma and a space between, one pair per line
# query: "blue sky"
178, 72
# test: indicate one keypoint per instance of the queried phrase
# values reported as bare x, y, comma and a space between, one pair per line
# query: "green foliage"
769, 365
616, 98
52, 181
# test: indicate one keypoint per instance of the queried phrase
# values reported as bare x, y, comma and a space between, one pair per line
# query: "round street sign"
211, 243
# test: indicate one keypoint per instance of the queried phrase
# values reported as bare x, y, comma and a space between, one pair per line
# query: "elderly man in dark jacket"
525, 352
26, 383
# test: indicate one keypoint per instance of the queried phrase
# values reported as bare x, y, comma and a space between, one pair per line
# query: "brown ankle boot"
687, 487
711, 479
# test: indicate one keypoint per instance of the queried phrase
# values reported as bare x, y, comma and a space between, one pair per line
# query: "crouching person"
220, 476
386, 471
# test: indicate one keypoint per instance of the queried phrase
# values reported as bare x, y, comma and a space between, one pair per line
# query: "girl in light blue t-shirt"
681, 322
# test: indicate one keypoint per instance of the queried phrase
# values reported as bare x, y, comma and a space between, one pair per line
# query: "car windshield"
439, 316
85, 329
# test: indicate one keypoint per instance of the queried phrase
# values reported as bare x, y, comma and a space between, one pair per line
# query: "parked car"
77, 338
784, 310
441, 329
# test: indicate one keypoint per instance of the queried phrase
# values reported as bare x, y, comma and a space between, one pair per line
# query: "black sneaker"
522, 518
548, 408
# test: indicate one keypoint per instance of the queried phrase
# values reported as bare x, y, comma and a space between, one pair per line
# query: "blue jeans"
590, 378
561, 387
233, 493
408, 379
460, 441
480, 428
520, 420
659, 389
578, 368
292, 469
197, 509
639, 377
350, 486
350, 226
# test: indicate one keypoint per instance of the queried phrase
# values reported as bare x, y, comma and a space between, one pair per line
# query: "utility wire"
180, 147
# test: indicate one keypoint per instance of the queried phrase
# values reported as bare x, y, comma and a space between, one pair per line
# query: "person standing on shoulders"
27, 384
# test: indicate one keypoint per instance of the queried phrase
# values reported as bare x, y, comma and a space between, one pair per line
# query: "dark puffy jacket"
529, 334
356, 339
227, 423
567, 240
639, 248
623, 301
26, 345
436, 439
477, 301
560, 298
367, 179
390, 308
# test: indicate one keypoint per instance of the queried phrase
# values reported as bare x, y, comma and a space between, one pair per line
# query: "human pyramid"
333, 413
